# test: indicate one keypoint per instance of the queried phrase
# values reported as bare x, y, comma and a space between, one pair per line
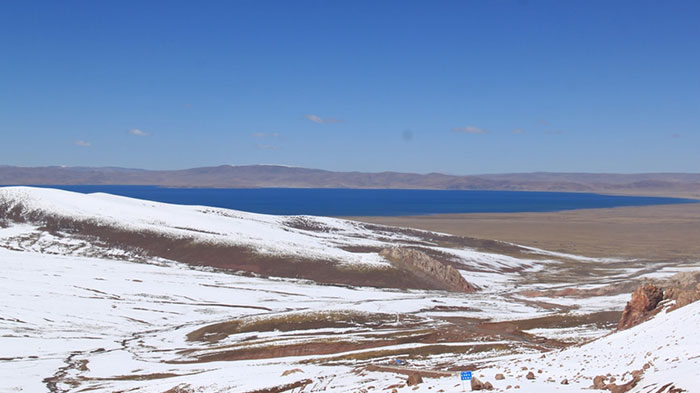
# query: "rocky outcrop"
679, 290
599, 382
683, 289
644, 300
684, 280
414, 379
441, 275
476, 384
682, 297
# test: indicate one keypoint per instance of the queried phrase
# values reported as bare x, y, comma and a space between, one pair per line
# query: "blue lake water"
354, 202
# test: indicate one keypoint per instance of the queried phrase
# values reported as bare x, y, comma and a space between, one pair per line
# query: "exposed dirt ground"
665, 232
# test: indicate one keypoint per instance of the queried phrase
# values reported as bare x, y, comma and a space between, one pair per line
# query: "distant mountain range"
259, 176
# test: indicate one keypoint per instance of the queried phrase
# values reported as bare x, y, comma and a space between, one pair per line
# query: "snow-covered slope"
85, 305
104, 225
265, 233
92, 321
72, 323
665, 349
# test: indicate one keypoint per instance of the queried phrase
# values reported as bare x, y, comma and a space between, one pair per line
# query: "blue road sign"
466, 375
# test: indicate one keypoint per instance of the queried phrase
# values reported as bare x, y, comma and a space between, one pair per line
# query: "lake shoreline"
337, 202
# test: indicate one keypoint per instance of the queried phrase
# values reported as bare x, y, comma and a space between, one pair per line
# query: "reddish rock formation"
500, 376
681, 289
442, 275
530, 375
644, 299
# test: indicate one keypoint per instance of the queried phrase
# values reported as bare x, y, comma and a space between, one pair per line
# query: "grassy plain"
659, 232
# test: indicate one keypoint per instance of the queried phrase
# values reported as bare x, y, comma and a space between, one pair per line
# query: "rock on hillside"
681, 289
644, 300
418, 262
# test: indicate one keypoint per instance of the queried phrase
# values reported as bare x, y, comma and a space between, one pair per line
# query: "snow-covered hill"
664, 352
319, 248
312, 237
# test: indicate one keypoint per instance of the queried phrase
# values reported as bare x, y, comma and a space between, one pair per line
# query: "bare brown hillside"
254, 176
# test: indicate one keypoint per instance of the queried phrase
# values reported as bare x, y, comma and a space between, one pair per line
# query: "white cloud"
471, 130
314, 119
266, 147
82, 143
137, 132
320, 120
518, 131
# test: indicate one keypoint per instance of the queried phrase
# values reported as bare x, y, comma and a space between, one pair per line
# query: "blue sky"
419, 86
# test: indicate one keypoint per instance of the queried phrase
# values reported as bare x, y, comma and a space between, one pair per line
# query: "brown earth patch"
284, 388
298, 321
139, 377
276, 351
367, 336
603, 319
416, 352
515, 330
409, 371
